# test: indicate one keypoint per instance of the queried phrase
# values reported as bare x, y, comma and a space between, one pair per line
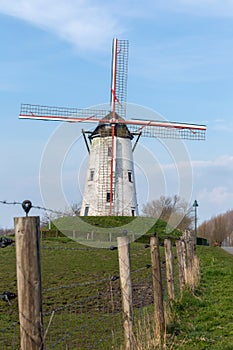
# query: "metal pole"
195, 205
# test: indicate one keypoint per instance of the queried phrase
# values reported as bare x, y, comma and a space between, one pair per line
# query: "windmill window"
92, 175
130, 176
109, 151
86, 210
108, 197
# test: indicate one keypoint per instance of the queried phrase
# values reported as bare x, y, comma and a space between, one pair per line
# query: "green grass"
99, 231
68, 264
203, 320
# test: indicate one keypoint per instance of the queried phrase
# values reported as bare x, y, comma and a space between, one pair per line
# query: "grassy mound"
141, 227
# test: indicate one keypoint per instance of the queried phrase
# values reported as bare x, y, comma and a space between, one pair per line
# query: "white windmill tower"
110, 182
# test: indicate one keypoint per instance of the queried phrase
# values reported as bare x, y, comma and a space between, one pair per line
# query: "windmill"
110, 181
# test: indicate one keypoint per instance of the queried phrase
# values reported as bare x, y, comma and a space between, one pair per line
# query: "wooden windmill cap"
104, 128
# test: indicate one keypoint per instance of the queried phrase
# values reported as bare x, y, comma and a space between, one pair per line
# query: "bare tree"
204, 229
217, 228
6, 231
173, 209
49, 217
75, 209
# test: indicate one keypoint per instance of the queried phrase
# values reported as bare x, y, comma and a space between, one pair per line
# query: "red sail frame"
148, 128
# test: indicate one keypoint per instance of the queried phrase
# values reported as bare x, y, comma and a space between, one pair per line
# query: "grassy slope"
65, 267
137, 225
205, 321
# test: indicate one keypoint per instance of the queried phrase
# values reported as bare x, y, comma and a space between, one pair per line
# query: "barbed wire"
65, 248
103, 296
75, 302
10, 203
147, 266
33, 206
66, 333
14, 324
81, 284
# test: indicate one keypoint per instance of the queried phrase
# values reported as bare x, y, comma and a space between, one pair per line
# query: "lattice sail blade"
29, 111
148, 128
172, 133
161, 129
119, 76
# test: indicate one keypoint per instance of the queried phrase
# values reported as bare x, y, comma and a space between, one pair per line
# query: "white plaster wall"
126, 200
96, 188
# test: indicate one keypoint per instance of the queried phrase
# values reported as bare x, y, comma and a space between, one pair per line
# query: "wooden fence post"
27, 237
180, 265
192, 263
169, 268
184, 256
190, 243
126, 290
158, 290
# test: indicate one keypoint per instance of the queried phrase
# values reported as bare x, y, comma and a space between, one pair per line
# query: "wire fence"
94, 319
91, 322
10, 337
58, 212
83, 324
87, 314
94, 322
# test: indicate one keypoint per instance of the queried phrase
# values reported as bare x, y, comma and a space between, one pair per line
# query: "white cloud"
219, 195
224, 162
213, 185
85, 24
214, 201
89, 24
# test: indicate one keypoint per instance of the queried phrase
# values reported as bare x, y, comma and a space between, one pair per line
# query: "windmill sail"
119, 77
110, 183
148, 128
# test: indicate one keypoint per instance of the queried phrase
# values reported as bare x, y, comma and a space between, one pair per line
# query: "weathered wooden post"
189, 250
180, 265
192, 261
27, 237
169, 268
158, 290
185, 262
126, 290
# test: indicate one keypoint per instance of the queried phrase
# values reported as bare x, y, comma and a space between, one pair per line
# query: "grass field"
204, 319
77, 284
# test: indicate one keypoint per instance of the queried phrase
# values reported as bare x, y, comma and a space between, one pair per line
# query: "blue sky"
180, 65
